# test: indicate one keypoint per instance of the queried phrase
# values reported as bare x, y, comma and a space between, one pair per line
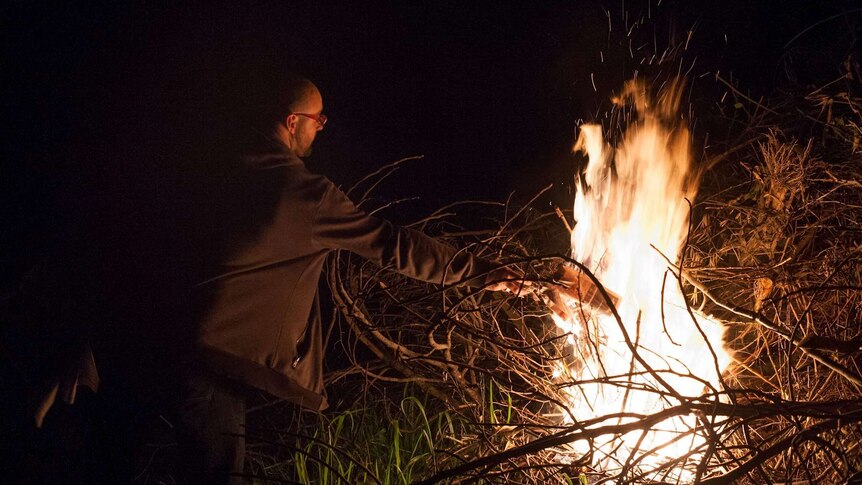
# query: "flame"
632, 214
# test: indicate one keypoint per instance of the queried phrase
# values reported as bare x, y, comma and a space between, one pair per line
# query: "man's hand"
507, 280
579, 287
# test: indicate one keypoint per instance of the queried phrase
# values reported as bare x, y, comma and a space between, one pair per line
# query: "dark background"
106, 106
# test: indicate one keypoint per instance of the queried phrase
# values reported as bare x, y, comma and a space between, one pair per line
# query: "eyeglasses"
319, 118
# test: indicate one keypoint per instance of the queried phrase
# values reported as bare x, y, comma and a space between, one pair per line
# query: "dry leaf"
762, 290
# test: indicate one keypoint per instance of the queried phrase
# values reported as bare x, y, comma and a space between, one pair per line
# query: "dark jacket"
260, 312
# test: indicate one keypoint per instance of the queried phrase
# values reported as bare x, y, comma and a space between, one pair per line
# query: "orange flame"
632, 211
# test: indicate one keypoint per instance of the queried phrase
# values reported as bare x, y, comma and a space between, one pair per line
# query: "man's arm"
339, 224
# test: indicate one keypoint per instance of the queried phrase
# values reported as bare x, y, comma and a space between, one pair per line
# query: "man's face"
306, 127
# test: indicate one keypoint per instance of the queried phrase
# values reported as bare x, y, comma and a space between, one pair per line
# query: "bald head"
300, 120
300, 95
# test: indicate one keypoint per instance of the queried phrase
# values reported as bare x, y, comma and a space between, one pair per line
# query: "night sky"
102, 101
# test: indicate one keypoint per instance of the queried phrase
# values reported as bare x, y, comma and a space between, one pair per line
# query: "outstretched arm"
339, 224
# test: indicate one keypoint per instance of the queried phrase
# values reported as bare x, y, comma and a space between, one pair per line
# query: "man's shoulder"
294, 176
302, 175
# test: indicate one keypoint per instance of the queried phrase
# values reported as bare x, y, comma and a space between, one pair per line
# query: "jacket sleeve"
339, 224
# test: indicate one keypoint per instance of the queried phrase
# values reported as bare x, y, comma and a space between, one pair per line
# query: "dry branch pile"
782, 238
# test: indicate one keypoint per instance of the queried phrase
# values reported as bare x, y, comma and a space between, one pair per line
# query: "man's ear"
290, 123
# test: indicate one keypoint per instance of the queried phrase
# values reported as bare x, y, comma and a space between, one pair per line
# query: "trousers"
210, 424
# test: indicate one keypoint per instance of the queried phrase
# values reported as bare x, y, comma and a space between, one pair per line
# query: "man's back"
255, 300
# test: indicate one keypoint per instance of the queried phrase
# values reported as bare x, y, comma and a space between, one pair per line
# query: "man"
257, 313
189, 308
